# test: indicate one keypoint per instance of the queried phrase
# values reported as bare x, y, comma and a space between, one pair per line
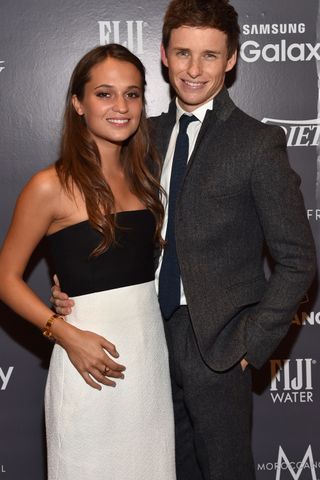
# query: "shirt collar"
199, 112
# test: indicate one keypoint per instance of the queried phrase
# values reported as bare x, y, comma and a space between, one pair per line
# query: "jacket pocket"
247, 293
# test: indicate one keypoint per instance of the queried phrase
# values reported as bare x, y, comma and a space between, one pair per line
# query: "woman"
99, 207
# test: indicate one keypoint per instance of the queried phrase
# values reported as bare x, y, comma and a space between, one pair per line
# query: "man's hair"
217, 14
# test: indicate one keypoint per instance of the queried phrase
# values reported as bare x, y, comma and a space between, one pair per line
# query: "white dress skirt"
126, 432
121, 433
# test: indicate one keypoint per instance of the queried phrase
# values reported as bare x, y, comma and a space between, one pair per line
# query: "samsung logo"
273, 28
251, 51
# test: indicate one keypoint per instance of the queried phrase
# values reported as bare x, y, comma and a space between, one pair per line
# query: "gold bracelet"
46, 331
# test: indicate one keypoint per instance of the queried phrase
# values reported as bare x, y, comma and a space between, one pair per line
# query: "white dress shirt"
192, 132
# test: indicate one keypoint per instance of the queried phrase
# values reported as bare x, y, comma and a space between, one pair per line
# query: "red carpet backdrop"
276, 81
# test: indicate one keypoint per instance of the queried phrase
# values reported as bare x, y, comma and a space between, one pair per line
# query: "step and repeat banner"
276, 81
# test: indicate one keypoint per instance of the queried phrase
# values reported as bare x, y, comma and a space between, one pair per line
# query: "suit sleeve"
281, 211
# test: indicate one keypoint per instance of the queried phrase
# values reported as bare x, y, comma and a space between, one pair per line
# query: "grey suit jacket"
239, 192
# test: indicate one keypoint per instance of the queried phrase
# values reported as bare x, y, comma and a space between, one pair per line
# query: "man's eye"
210, 55
182, 53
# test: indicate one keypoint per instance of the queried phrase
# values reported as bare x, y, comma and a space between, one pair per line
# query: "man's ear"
77, 105
231, 61
163, 56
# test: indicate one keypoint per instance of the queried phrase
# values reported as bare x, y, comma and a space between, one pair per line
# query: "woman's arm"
34, 212
36, 209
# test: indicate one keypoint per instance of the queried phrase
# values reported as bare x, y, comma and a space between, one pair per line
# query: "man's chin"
191, 102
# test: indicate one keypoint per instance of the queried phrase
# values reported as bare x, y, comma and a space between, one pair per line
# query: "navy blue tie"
169, 278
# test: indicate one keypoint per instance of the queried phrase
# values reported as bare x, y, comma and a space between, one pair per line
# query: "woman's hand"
87, 351
61, 302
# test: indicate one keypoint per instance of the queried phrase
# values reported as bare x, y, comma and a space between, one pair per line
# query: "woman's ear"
77, 105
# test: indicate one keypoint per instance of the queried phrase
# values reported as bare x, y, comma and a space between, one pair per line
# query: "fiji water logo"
292, 380
128, 33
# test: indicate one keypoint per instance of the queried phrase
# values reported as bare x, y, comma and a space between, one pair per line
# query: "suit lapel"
166, 123
212, 123
214, 119
207, 132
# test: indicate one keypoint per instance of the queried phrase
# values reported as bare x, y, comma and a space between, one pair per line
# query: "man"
236, 192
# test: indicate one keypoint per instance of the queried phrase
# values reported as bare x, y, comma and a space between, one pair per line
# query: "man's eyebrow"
216, 52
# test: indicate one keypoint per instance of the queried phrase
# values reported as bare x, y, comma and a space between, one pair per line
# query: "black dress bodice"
129, 261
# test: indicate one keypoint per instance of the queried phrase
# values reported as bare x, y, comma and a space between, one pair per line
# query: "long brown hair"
79, 163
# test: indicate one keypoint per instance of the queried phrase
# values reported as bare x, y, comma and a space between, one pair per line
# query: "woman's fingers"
94, 376
60, 300
115, 372
87, 378
110, 347
89, 353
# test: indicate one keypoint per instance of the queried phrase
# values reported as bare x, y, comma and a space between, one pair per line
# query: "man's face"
197, 59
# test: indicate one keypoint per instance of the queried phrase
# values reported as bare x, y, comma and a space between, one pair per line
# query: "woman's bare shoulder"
45, 182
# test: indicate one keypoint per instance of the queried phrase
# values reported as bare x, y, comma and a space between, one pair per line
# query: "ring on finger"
106, 370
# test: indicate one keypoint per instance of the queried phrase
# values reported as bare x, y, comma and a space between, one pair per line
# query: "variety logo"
5, 376
291, 380
251, 51
299, 133
2, 67
304, 469
129, 33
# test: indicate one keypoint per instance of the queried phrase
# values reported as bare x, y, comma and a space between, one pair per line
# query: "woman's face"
112, 102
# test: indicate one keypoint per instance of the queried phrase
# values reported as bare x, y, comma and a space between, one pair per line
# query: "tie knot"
185, 120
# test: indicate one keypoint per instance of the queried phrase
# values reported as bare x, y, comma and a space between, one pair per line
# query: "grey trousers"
212, 410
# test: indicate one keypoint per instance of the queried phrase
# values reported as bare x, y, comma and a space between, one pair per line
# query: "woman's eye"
133, 95
103, 94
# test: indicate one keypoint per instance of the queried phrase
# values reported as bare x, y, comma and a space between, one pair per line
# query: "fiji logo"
128, 33
291, 380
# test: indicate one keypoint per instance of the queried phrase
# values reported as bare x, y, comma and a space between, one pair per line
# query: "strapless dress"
126, 432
